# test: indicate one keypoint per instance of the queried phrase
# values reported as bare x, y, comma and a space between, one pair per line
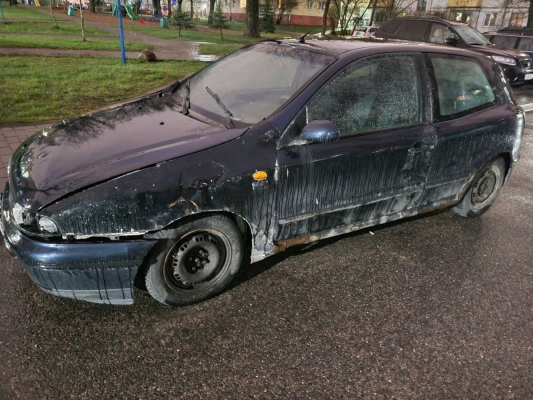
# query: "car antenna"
302, 39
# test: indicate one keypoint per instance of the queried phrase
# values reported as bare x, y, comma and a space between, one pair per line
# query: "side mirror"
320, 131
451, 41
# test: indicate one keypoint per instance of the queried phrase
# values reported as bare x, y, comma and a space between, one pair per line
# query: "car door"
468, 122
378, 166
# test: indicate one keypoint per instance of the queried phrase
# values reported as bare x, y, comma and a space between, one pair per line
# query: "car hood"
98, 146
499, 51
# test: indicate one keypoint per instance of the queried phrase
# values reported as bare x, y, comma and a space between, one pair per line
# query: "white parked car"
364, 31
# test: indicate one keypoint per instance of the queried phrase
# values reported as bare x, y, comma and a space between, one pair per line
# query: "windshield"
470, 35
253, 82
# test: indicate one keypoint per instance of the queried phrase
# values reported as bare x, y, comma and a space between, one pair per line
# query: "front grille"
525, 63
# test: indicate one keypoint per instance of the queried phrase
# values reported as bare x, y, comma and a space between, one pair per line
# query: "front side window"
462, 86
253, 82
439, 33
377, 93
490, 19
507, 42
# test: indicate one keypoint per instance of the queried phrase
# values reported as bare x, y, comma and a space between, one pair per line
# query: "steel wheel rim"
198, 249
484, 188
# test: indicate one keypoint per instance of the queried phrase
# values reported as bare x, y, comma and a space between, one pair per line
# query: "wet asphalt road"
431, 307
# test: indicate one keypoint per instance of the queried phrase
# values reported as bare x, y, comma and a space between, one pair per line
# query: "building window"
421, 6
309, 4
321, 5
516, 19
490, 19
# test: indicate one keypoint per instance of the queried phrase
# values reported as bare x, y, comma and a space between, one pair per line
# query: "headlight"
504, 60
47, 225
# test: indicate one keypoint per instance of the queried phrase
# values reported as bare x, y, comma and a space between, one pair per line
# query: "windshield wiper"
227, 112
187, 98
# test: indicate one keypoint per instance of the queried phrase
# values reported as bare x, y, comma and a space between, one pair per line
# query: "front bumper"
96, 272
517, 74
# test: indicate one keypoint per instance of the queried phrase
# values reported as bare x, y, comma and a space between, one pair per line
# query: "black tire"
483, 190
197, 261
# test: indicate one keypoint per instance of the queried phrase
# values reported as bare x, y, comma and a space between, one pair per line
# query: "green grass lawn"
34, 88
218, 49
239, 26
197, 36
43, 42
16, 12
48, 28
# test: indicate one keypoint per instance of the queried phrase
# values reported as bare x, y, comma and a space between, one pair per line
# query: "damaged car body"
174, 189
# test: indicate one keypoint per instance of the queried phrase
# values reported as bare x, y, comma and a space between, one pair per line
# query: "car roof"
431, 19
508, 34
339, 47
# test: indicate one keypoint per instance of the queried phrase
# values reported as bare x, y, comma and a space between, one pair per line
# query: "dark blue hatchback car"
279, 144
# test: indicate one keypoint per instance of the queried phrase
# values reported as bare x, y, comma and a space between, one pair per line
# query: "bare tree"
393, 8
325, 17
211, 12
52, 15
284, 7
345, 12
252, 19
82, 23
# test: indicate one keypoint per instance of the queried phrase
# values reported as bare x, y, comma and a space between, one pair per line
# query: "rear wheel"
197, 262
483, 190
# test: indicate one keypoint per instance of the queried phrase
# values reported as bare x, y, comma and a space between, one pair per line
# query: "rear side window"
416, 30
462, 86
526, 44
507, 42
390, 26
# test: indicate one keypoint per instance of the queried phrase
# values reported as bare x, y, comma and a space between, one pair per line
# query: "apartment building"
484, 15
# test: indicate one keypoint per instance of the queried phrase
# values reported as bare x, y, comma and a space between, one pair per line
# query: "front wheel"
483, 190
199, 260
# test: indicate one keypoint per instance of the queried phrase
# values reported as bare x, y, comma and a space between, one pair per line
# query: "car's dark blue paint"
99, 272
320, 131
141, 187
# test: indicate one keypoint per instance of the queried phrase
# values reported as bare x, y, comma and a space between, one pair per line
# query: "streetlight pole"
121, 32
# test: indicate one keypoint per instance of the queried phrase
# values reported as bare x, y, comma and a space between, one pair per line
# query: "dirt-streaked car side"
174, 189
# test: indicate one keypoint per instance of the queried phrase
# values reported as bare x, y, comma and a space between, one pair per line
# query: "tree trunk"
530, 16
221, 37
170, 7
156, 5
192, 9
211, 12
92, 7
52, 14
325, 17
82, 25
179, 30
252, 19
